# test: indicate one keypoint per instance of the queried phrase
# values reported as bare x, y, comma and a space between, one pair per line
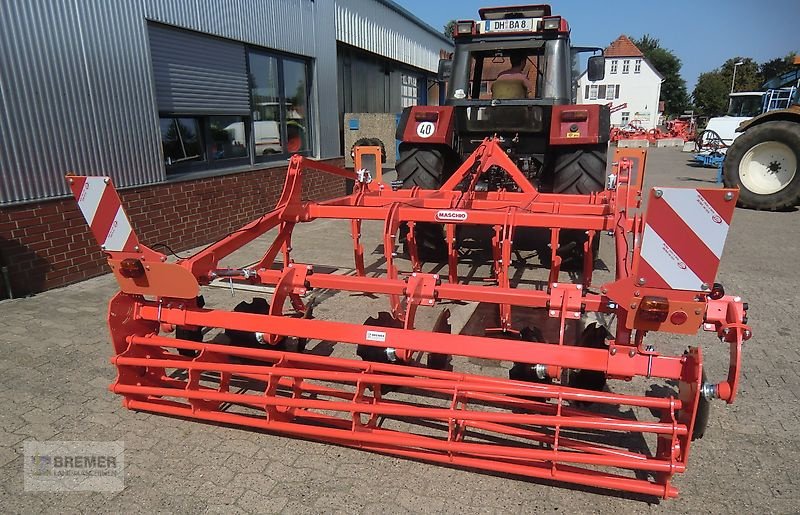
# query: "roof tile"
623, 47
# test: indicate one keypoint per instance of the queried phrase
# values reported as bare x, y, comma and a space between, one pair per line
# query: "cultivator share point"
399, 390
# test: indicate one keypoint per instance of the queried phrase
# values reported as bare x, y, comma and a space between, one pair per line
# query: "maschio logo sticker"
450, 215
426, 129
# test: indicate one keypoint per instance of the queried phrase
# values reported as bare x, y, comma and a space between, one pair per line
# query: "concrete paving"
54, 354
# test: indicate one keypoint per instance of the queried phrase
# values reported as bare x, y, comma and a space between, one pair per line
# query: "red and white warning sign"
102, 209
684, 234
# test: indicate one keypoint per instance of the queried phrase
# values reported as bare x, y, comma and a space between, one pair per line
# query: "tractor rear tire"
580, 170
577, 171
425, 167
763, 164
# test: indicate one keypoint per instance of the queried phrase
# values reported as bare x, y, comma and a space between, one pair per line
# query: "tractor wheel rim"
768, 167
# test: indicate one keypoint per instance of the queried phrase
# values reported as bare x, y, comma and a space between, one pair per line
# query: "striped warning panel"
102, 209
684, 234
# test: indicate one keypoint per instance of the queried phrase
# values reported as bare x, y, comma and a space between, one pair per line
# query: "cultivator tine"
391, 388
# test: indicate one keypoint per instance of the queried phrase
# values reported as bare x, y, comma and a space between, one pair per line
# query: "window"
626, 66
180, 138
626, 117
201, 142
593, 92
614, 66
610, 92
279, 89
224, 104
228, 138
408, 90
637, 66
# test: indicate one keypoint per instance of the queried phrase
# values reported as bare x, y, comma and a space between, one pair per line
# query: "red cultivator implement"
396, 390
679, 129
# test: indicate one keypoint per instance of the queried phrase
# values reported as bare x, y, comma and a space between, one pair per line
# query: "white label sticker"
449, 215
376, 336
425, 129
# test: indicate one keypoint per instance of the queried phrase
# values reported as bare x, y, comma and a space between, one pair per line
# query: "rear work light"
553, 23
654, 309
131, 268
575, 115
426, 116
464, 27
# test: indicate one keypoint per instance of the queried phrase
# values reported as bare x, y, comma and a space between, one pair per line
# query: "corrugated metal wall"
76, 86
76, 96
380, 28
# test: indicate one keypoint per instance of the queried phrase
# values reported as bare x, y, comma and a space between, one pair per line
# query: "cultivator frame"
391, 402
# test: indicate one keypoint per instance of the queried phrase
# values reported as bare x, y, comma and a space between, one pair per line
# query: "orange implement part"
554, 418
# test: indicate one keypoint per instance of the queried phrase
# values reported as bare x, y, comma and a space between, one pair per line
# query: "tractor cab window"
746, 106
505, 74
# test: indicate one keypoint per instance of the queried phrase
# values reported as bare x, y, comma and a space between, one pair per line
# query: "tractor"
510, 77
763, 161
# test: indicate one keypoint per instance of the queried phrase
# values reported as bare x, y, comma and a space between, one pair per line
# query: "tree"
711, 94
776, 67
673, 89
448, 29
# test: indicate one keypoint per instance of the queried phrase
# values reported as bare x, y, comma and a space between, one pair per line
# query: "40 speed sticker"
426, 129
451, 215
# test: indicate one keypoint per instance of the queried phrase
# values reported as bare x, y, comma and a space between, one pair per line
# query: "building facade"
631, 86
192, 108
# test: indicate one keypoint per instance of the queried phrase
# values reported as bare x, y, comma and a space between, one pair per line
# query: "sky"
702, 33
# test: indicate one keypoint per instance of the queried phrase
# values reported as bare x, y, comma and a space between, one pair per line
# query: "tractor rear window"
505, 76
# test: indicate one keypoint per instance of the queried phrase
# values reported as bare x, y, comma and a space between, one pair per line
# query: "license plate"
515, 25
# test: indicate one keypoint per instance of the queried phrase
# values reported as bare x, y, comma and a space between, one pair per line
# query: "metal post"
733, 81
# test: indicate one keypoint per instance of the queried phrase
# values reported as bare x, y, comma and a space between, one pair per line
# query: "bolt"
136, 248
604, 291
726, 331
698, 311
612, 305
613, 350
633, 305
747, 334
641, 281
728, 195
577, 315
636, 293
71, 181
102, 247
555, 285
632, 353
106, 180
552, 313
579, 287
414, 274
737, 299
659, 193
163, 258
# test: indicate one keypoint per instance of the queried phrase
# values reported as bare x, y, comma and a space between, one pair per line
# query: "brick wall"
47, 244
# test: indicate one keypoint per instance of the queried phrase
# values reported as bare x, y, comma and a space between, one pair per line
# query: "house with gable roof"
631, 86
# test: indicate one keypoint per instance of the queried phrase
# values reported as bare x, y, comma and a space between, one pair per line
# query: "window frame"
626, 66
611, 91
625, 118
614, 66
637, 66
593, 89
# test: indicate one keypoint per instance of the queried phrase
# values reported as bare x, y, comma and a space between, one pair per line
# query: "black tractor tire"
426, 167
785, 133
580, 170
577, 171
